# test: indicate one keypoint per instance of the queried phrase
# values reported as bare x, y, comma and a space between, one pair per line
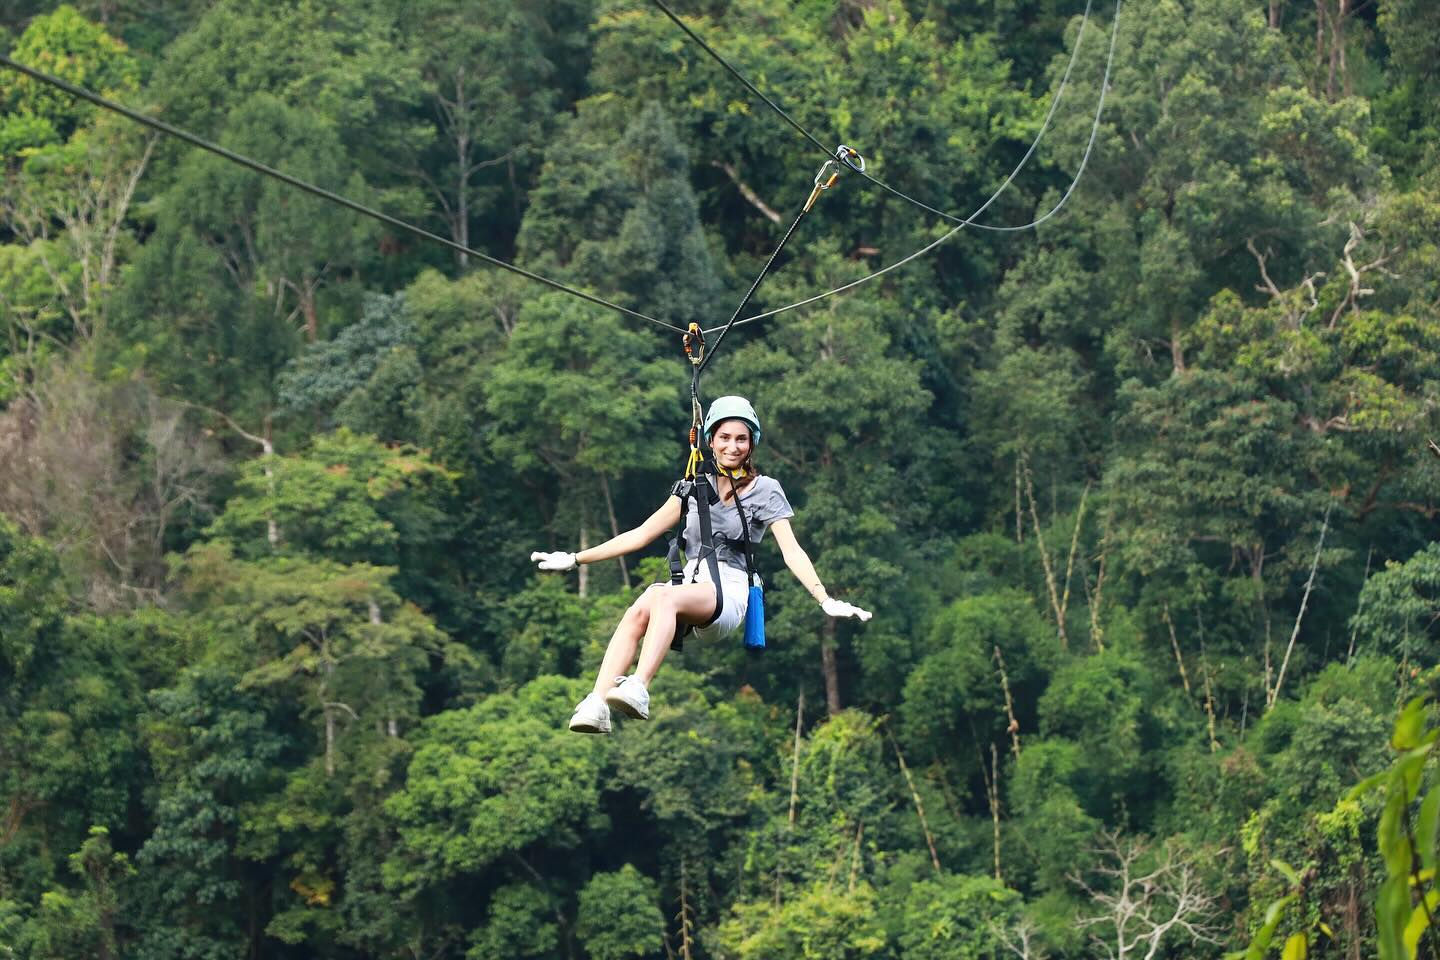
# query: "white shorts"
735, 587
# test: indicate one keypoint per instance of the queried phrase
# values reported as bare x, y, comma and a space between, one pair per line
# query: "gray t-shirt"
764, 502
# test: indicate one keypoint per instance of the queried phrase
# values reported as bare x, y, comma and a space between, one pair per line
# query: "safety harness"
700, 489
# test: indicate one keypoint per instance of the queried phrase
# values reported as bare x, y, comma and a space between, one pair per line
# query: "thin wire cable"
1084, 160
968, 221
258, 167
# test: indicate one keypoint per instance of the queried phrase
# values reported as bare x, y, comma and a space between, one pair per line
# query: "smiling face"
730, 442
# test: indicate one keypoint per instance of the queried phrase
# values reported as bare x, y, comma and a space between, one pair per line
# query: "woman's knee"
640, 609
660, 599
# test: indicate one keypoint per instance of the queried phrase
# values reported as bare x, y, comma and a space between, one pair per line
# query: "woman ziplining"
711, 594
711, 536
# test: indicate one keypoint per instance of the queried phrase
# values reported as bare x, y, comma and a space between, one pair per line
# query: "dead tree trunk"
829, 668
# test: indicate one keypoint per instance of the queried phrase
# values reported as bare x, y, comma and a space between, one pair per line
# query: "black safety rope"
258, 167
800, 128
694, 339
824, 179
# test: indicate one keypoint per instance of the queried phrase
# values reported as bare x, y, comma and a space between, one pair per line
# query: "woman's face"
731, 443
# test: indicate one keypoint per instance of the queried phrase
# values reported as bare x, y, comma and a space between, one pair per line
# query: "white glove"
559, 561
839, 608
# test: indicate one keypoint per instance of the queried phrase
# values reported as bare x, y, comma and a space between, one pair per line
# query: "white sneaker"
591, 716
630, 697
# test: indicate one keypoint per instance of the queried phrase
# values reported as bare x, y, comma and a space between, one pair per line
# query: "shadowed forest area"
1146, 500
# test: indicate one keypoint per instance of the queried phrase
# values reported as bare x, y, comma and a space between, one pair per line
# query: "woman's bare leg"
691, 602
621, 651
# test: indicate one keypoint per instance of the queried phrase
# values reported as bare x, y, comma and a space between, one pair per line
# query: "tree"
628, 225
83, 923
575, 400
335, 634
618, 915
820, 923
85, 186
65, 44
490, 92
108, 472
488, 783
337, 381
214, 752
1143, 903
954, 918
1405, 132
1397, 609
68, 703
1167, 203
956, 693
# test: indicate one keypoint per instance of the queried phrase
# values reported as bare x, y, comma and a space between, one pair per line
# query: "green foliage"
70, 925
1396, 610
490, 781
618, 916
65, 44
955, 693
820, 922
520, 924
1405, 902
350, 498
213, 753
954, 918
626, 225
329, 377
576, 390
332, 725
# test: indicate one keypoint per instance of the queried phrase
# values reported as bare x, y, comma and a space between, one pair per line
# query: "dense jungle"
1145, 499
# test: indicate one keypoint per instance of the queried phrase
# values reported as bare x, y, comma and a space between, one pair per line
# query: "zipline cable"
1079, 172
321, 192
968, 221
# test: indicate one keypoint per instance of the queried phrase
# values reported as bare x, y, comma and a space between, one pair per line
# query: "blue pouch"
755, 619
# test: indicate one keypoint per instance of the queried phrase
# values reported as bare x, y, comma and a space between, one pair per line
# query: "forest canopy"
1144, 499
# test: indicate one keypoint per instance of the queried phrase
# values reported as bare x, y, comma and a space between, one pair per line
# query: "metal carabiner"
694, 343
850, 157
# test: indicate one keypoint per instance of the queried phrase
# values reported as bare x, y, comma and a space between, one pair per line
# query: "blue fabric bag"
755, 619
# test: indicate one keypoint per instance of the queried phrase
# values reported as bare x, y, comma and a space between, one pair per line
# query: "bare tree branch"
1140, 908
745, 191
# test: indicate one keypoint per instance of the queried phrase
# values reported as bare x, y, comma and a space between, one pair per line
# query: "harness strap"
688, 490
745, 533
708, 553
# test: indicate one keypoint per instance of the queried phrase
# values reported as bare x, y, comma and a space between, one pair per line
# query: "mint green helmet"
733, 408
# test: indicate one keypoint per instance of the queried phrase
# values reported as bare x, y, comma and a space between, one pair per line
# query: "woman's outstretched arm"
798, 560
637, 539
799, 563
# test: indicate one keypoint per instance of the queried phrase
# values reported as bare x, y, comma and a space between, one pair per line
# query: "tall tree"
490, 92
